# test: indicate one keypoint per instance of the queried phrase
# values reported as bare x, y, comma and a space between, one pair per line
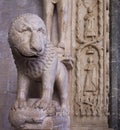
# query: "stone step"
90, 128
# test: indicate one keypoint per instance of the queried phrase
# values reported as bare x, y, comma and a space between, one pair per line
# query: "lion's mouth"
27, 56
34, 56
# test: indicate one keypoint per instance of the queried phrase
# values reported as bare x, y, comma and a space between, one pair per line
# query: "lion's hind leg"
62, 84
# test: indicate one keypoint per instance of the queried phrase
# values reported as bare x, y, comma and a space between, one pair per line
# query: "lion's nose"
36, 49
35, 45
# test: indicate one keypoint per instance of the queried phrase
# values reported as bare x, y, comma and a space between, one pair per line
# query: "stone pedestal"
90, 123
49, 123
38, 119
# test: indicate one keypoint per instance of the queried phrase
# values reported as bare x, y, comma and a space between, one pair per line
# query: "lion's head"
27, 35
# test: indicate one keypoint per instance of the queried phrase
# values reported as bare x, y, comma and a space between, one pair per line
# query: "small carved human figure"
89, 30
36, 59
62, 10
90, 84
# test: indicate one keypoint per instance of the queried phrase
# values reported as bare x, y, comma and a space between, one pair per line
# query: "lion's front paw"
42, 104
63, 112
19, 104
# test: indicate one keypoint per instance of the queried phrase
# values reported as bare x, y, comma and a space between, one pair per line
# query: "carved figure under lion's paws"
42, 104
37, 60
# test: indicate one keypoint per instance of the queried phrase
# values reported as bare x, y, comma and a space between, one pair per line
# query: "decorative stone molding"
91, 82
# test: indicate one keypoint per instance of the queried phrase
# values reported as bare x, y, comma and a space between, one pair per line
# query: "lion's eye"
41, 31
26, 30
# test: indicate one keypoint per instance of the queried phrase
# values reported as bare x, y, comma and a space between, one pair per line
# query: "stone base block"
31, 118
50, 123
91, 128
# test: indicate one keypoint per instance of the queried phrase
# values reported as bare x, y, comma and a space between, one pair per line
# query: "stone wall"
115, 64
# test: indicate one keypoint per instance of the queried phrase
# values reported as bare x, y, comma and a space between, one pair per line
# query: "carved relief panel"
88, 95
91, 83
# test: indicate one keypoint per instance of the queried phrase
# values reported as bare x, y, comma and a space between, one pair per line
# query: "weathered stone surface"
8, 11
91, 83
36, 60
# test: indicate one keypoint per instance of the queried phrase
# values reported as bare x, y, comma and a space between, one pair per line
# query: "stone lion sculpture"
36, 59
